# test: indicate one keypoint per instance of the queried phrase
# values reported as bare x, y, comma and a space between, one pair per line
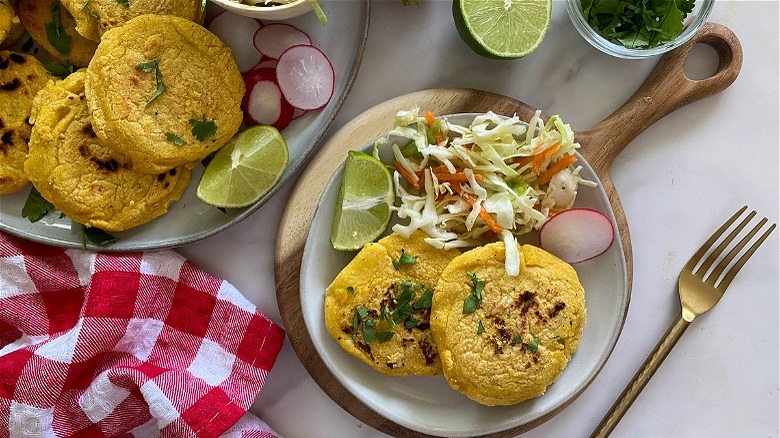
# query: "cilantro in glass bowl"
637, 29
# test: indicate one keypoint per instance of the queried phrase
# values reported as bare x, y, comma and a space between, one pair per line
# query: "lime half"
502, 29
245, 169
363, 206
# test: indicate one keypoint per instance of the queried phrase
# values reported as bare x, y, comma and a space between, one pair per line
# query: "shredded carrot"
430, 118
486, 217
405, 174
440, 169
536, 167
561, 164
552, 149
439, 138
524, 160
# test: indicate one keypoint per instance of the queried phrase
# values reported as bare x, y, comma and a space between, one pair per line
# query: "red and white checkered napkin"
126, 345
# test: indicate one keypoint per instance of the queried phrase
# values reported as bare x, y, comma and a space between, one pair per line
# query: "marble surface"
678, 181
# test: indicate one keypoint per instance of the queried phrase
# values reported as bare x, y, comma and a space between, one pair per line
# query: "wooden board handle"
666, 89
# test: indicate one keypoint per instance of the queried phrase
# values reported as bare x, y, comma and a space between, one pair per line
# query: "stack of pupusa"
498, 339
113, 144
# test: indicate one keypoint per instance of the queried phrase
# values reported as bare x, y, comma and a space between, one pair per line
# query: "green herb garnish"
88, 7
480, 328
425, 301
55, 33
175, 139
154, 66
60, 69
404, 259
637, 24
125, 3
35, 207
203, 129
474, 299
350, 290
533, 345
96, 236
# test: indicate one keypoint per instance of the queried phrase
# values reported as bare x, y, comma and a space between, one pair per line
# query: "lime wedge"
502, 29
245, 169
363, 206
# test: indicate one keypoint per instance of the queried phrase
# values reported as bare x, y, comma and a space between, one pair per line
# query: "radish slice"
263, 102
577, 235
297, 112
267, 63
272, 40
306, 77
235, 30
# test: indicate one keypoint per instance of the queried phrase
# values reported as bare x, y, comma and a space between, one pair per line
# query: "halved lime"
502, 29
245, 169
363, 206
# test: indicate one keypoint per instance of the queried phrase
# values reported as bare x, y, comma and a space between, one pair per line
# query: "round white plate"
189, 220
427, 404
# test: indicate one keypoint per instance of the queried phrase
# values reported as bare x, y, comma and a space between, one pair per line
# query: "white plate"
189, 220
428, 404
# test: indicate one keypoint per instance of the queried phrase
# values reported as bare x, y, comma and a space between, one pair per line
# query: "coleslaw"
496, 178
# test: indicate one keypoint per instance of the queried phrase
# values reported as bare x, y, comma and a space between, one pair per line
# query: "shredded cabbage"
449, 177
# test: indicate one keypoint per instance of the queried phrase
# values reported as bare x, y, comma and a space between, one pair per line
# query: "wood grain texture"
666, 89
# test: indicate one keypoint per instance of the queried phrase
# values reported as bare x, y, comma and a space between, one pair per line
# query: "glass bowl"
693, 22
279, 12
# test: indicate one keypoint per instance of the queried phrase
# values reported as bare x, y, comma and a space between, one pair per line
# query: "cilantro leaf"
425, 301
480, 328
125, 3
637, 23
154, 66
474, 299
203, 129
97, 236
60, 69
404, 259
175, 139
55, 33
533, 345
36, 207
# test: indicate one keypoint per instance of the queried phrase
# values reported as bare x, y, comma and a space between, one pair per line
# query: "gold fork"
700, 289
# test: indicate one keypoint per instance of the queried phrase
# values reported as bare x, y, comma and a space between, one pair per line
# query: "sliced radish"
297, 112
235, 30
272, 40
263, 102
306, 77
577, 235
267, 63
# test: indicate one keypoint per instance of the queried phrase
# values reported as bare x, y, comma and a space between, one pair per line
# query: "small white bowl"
281, 12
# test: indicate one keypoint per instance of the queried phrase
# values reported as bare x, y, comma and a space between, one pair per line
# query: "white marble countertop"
677, 181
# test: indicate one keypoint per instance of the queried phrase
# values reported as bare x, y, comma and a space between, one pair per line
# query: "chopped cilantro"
60, 69
474, 299
175, 139
125, 3
36, 206
637, 23
533, 345
96, 236
425, 301
55, 33
480, 328
154, 66
411, 322
404, 259
350, 290
203, 129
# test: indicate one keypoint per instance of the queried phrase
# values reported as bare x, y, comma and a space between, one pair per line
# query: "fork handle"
641, 378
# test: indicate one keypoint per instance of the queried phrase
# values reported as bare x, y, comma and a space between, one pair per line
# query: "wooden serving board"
666, 89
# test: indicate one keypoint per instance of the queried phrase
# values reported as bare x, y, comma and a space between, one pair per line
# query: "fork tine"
713, 277
741, 262
705, 266
711, 241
